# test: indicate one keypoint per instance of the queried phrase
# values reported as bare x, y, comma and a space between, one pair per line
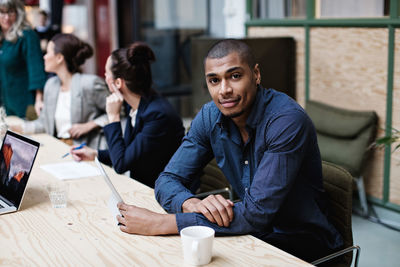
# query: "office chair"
213, 181
338, 185
344, 138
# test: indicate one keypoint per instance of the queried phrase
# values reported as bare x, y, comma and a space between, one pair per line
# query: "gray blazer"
88, 102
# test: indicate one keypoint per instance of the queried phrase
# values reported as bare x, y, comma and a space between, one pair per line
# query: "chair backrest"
343, 135
213, 179
338, 187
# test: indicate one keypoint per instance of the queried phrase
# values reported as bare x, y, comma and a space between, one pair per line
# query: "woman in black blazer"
153, 129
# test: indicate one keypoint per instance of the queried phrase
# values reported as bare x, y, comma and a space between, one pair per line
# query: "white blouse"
133, 114
62, 115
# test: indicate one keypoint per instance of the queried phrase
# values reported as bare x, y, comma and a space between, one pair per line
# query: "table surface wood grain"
85, 233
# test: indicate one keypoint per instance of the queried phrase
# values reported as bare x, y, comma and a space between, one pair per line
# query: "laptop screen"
17, 155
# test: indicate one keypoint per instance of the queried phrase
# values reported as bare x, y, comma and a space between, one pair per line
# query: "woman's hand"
113, 106
79, 129
16, 128
85, 153
39, 102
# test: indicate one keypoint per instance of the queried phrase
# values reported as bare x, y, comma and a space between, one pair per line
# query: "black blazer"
145, 149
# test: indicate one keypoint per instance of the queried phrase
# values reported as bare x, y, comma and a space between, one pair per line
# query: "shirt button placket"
246, 174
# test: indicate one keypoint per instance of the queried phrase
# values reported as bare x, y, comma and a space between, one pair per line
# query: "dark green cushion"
344, 136
348, 153
339, 122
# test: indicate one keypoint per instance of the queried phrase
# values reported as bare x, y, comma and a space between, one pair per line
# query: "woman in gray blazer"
74, 103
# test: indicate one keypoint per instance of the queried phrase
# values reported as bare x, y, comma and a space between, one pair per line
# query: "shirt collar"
258, 109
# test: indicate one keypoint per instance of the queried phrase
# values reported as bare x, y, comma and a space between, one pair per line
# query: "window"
351, 8
278, 9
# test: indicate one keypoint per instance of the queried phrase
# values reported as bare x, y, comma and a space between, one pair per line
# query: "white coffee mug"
197, 244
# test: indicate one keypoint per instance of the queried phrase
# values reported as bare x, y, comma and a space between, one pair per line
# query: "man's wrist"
188, 205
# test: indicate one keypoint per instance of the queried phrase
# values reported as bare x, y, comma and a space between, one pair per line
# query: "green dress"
21, 72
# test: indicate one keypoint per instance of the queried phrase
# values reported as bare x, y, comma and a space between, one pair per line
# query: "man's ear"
257, 74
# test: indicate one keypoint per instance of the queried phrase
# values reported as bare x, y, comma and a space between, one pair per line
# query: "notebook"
17, 155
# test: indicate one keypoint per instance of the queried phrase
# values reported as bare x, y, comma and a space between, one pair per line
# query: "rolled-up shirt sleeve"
285, 141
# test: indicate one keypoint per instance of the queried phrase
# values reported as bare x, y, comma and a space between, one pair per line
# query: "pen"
76, 148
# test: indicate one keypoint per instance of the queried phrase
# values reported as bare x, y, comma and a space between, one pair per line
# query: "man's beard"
235, 115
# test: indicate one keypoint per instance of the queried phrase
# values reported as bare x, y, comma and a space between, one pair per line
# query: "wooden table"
85, 234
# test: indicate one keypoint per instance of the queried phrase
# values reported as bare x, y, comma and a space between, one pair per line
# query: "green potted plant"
394, 137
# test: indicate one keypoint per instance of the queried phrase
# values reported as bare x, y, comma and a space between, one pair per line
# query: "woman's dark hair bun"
74, 50
84, 52
133, 65
140, 53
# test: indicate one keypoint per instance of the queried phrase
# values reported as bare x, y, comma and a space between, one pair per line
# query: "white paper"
71, 170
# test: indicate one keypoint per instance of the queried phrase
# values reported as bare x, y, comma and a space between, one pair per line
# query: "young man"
266, 145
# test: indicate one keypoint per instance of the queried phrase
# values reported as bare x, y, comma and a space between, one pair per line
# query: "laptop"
17, 155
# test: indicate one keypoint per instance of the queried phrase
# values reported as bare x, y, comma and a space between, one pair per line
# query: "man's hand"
135, 220
215, 208
85, 153
79, 129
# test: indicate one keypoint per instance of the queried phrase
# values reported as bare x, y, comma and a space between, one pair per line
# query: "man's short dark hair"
225, 47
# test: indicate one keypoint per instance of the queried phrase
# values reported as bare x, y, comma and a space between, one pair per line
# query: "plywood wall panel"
298, 34
348, 69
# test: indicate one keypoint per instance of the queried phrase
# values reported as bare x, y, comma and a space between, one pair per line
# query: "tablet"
108, 181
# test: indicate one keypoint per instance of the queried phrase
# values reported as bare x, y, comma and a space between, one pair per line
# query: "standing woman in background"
74, 104
21, 65
153, 130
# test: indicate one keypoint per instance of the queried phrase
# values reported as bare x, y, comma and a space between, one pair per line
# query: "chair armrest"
339, 253
218, 191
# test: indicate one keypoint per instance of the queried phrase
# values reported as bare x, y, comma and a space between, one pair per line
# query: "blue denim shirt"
277, 173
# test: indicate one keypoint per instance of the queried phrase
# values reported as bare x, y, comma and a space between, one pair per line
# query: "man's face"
232, 85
